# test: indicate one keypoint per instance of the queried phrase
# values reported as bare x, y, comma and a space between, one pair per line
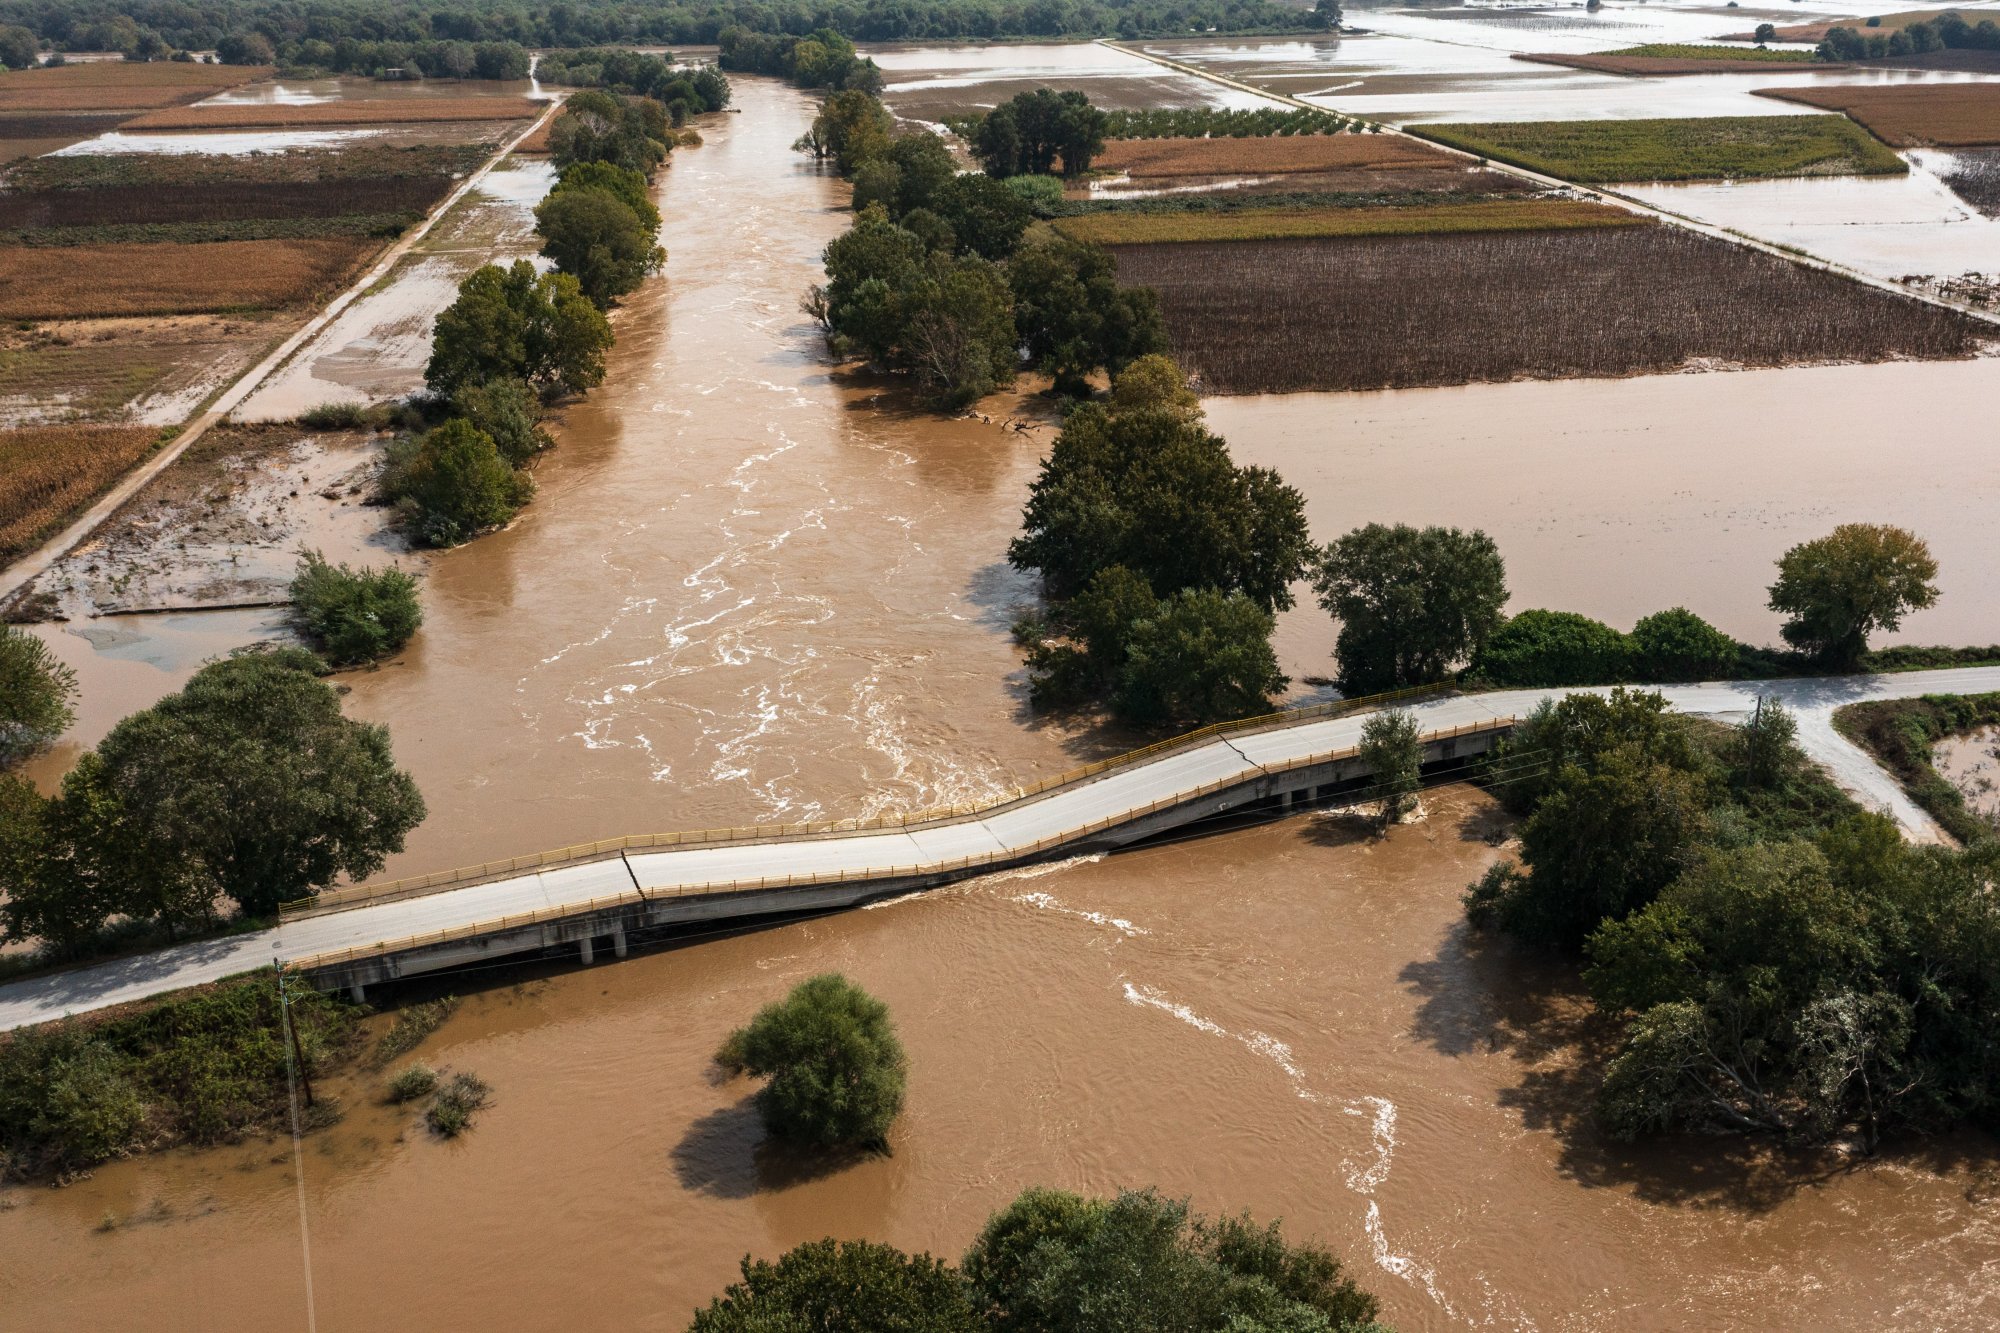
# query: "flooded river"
751, 590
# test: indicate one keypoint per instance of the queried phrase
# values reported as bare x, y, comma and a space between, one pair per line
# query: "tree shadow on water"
726, 1155
1485, 995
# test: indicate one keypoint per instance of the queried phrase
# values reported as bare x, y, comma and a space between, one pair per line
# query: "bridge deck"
1027, 827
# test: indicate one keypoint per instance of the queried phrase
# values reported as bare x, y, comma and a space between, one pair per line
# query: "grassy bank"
1698, 148
1268, 224
1900, 734
201, 1067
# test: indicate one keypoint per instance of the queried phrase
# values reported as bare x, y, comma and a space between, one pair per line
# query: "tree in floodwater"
1394, 754
515, 323
597, 237
835, 1067
1844, 586
1028, 133
251, 778
37, 694
1413, 604
832, 1286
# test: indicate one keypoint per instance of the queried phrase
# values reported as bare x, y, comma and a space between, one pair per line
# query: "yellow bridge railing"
335, 900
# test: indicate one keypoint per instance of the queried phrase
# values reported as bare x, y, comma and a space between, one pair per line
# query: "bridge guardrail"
582, 853
765, 883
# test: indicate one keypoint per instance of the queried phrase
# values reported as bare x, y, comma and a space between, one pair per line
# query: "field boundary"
1987, 317
34, 564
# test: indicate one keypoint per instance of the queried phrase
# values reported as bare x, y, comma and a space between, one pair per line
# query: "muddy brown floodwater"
751, 591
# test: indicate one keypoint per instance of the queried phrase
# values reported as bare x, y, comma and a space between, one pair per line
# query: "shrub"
835, 1066
452, 484
832, 1286
1554, 648
412, 1025
412, 1083
451, 1110
509, 412
1678, 645
37, 693
1041, 193
335, 416
354, 615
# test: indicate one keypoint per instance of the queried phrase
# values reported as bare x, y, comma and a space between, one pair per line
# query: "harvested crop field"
1943, 115
537, 142
1642, 61
1261, 224
1306, 152
1692, 148
152, 371
383, 111
49, 473
1415, 311
161, 279
118, 85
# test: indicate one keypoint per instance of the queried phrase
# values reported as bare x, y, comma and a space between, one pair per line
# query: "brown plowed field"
48, 473
167, 279
1412, 311
386, 111
108, 85
221, 201
1945, 115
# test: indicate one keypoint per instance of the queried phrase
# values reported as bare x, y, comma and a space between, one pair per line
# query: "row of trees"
248, 785
296, 32
1948, 31
1057, 1262
1025, 135
1776, 959
934, 278
516, 338
682, 91
822, 58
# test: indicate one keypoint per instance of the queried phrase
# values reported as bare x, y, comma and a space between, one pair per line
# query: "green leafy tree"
835, 1067
598, 126
986, 218
1580, 730
19, 48
877, 182
1554, 648
957, 331
1678, 645
595, 236
1841, 588
507, 411
1151, 489
924, 167
1413, 604
1767, 751
627, 186
866, 267
1028, 134
851, 127
515, 323
829, 1286
37, 694
1073, 317
1095, 627
1393, 749
452, 484
1204, 656
351, 615
252, 774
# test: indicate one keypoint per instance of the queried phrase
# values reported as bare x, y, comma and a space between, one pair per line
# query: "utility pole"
292, 1034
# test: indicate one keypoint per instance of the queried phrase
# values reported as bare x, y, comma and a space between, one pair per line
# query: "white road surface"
1014, 830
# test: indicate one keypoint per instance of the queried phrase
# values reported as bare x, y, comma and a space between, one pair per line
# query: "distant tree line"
822, 58
365, 36
683, 91
1056, 1262
1947, 32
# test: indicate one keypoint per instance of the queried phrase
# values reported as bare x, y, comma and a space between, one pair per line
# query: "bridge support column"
586, 950
1312, 795
1285, 801
357, 992
618, 940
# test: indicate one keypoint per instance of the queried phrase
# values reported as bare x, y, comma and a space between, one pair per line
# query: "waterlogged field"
1702, 148
48, 472
1408, 311
43, 109
1942, 115
285, 116
1676, 58
1262, 224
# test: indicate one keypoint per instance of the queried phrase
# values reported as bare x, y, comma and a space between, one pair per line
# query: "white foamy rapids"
1403, 1266
1048, 903
1277, 1052
1364, 1180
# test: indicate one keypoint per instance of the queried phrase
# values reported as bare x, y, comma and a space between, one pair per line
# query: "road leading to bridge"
1035, 826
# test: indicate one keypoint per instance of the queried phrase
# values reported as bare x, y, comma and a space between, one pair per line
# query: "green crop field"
1701, 148
1705, 51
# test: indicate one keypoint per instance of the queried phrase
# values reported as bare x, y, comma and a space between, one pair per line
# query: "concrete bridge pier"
357, 992
586, 950
618, 939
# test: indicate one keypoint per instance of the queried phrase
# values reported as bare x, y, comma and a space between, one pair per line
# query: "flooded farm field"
927, 82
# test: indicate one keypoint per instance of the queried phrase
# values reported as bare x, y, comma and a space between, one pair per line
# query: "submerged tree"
1413, 604
1393, 749
37, 694
835, 1067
